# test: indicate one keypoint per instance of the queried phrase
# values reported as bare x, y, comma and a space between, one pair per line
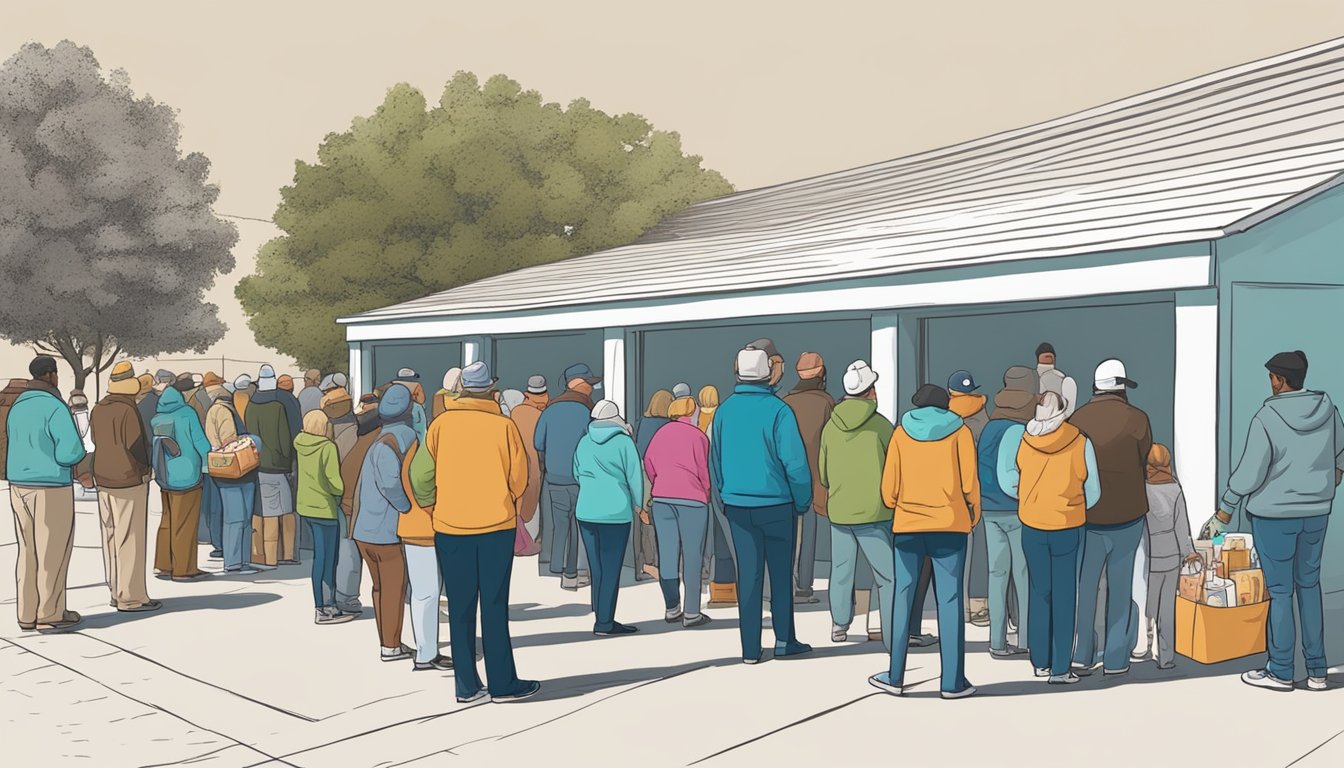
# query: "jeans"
977, 563
567, 554
805, 566
1003, 546
422, 571
680, 527
349, 568
476, 571
876, 541
606, 542
947, 554
763, 540
324, 534
1052, 566
212, 514
725, 560
1290, 556
1111, 548
238, 501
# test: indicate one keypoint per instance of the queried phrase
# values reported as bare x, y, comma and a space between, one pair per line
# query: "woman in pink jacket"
677, 463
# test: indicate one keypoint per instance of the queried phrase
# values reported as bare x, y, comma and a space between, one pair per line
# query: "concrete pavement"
233, 672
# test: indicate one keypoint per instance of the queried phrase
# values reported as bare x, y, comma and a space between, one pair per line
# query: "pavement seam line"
1313, 750
353, 736
150, 705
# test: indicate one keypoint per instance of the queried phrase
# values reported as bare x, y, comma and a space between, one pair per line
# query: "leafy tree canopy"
107, 237
415, 200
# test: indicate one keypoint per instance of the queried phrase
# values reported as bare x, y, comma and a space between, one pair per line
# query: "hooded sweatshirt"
930, 475
812, 405
611, 480
677, 462
971, 408
480, 468
1058, 480
319, 477
43, 442
1168, 526
756, 453
1294, 448
561, 426
850, 460
177, 421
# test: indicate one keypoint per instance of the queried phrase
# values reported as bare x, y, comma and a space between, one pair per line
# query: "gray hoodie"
1294, 448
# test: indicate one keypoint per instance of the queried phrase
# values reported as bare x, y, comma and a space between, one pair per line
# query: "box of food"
1211, 635
1237, 541
1233, 560
1250, 586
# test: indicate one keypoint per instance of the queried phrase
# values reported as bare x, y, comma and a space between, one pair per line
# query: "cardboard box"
1211, 635
1234, 560
1236, 542
1250, 586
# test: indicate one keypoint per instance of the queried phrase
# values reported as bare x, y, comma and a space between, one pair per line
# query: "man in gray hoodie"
1285, 484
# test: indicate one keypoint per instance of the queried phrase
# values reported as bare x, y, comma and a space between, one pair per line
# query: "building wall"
516, 358
430, 358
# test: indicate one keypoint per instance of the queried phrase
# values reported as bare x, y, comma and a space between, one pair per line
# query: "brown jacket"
525, 416
121, 448
812, 406
1121, 437
220, 429
350, 466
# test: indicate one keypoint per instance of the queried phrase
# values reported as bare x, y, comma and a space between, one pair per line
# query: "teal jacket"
43, 442
1294, 449
610, 475
178, 421
756, 453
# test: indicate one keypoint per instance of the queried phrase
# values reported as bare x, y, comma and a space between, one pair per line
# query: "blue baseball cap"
962, 382
581, 371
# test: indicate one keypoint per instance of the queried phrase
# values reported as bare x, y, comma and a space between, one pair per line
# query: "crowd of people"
1026, 513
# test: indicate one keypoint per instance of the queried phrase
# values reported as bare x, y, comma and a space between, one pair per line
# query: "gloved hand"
1213, 527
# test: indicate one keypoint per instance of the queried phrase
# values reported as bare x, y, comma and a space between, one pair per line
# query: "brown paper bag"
1250, 586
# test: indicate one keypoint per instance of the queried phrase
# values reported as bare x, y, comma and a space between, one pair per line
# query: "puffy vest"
992, 496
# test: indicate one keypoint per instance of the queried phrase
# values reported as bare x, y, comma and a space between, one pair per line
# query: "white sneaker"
964, 693
1317, 683
1041, 671
1261, 678
570, 583
839, 633
1067, 678
1083, 670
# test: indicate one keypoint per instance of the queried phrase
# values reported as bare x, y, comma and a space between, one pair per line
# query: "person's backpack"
11, 392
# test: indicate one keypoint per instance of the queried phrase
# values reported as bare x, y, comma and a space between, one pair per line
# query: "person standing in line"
1055, 481
408, 378
930, 482
996, 451
1052, 379
1122, 437
289, 525
611, 484
722, 572
850, 462
677, 465
178, 458
812, 406
267, 419
310, 397
452, 387
382, 500
480, 471
212, 505
961, 389
338, 406
526, 416
1169, 546
149, 402
121, 473
242, 395
415, 528
656, 416
238, 497
759, 465
44, 448
561, 426
319, 492
1285, 485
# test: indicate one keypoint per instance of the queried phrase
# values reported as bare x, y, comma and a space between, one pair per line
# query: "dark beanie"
1291, 366
1045, 348
930, 395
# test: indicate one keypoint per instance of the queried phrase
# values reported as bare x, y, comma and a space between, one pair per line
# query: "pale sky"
764, 91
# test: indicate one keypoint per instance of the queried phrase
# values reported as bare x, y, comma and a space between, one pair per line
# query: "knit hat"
1292, 366
509, 399
810, 365
476, 378
285, 382
337, 395
122, 380
328, 383
1045, 349
241, 383
164, 376
211, 379
753, 365
536, 385
606, 409
266, 379
184, 383
859, 378
146, 383
931, 396
395, 403
682, 389
1111, 377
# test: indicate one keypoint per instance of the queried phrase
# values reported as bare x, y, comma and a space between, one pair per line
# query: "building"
1192, 231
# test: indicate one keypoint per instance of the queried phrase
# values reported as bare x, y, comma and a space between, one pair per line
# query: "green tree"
415, 200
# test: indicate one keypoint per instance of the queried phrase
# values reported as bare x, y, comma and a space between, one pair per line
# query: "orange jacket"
480, 468
1053, 469
933, 486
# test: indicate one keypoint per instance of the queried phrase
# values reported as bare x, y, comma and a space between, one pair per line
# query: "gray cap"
681, 390
477, 377
165, 376
536, 384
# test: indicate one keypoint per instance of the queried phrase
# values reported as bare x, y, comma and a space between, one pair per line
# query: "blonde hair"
317, 423
659, 405
682, 406
1159, 456
709, 396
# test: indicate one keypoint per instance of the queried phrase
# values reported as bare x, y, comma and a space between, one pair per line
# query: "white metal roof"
1189, 162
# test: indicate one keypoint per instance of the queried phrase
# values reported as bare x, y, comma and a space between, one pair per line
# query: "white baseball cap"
753, 365
859, 378
1110, 377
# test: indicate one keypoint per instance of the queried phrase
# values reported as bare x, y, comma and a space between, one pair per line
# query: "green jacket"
266, 418
319, 477
853, 452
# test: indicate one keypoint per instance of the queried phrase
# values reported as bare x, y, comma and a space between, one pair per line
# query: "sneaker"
477, 696
527, 689
617, 628
289, 562
191, 576
794, 648
805, 597
980, 618
1166, 665
1115, 672
964, 693
439, 663
698, 621
1041, 671
217, 554
1317, 683
749, 660
354, 609
1068, 678
1012, 626
570, 583
394, 654
152, 605
69, 620
1139, 658
839, 634
1261, 678
874, 635
1083, 670
329, 615
260, 567
922, 641
586, 580
882, 682
1007, 652
26, 627
673, 616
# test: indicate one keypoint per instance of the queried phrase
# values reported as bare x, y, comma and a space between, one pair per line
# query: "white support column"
1195, 453
883, 361
472, 351
356, 375
613, 367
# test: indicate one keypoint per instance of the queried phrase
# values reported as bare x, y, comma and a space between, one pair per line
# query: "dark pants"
175, 552
324, 534
724, 569
565, 547
806, 564
476, 571
211, 528
1052, 569
605, 543
763, 540
946, 554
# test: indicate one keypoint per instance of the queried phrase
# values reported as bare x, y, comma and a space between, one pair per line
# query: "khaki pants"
387, 567
124, 515
289, 537
265, 540
44, 519
175, 548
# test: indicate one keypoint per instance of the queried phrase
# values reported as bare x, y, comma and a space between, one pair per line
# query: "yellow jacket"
932, 484
1053, 471
480, 468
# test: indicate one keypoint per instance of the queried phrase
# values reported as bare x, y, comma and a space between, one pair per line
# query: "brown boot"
722, 595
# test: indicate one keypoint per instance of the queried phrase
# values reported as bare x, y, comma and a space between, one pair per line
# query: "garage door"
519, 357
431, 359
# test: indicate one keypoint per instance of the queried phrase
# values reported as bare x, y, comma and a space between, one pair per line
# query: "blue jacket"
610, 474
648, 427
382, 497
561, 426
1294, 448
179, 423
756, 453
43, 441
996, 452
